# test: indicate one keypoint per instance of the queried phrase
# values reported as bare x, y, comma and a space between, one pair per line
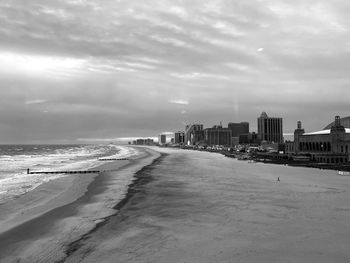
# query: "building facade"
248, 138
218, 136
194, 133
239, 128
162, 139
270, 129
147, 141
179, 137
325, 146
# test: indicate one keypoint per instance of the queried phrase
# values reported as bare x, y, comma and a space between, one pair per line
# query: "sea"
16, 159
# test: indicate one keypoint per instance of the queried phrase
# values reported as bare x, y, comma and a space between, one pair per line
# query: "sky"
84, 70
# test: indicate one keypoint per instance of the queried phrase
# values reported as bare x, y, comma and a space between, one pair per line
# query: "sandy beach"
193, 207
38, 226
203, 207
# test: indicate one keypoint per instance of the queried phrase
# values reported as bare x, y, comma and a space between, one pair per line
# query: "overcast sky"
85, 69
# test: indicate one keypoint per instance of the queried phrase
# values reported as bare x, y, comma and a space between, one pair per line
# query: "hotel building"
193, 134
218, 136
270, 129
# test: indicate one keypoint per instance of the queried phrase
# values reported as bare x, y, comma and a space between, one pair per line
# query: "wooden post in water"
28, 171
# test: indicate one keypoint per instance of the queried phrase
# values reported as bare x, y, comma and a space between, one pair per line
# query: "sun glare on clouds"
32, 65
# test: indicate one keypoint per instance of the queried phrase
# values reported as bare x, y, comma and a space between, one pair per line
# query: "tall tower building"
297, 132
270, 129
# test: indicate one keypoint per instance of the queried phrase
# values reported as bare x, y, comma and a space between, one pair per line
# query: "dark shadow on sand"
141, 178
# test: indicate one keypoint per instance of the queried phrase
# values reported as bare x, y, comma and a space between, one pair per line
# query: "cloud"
126, 64
30, 102
39, 65
181, 102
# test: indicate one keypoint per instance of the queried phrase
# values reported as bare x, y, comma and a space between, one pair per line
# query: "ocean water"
16, 159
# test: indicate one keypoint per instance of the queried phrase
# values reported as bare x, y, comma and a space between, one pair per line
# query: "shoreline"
66, 190
203, 208
309, 164
138, 180
66, 214
66, 193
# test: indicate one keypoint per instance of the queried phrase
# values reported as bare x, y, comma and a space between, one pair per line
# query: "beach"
39, 225
203, 207
189, 206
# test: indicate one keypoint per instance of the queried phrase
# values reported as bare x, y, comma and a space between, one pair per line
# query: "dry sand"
38, 226
203, 207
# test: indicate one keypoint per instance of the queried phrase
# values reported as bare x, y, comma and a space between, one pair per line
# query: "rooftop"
263, 115
328, 131
343, 121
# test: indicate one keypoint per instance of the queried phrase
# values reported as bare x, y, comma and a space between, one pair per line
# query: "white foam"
15, 181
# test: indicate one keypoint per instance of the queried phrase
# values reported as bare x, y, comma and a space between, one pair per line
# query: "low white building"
325, 146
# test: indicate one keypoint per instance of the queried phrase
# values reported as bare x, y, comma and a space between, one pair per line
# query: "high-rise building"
162, 138
218, 136
239, 128
180, 137
270, 129
193, 134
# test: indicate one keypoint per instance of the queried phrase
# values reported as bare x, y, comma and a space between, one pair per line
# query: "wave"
15, 181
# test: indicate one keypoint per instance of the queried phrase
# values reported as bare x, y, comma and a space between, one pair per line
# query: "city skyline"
75, 71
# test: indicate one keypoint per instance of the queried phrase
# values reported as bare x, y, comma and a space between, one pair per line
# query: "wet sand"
203, 207
39, 226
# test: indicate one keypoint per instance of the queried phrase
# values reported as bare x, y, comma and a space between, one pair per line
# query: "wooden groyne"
64, 172
77, 172
113, 159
